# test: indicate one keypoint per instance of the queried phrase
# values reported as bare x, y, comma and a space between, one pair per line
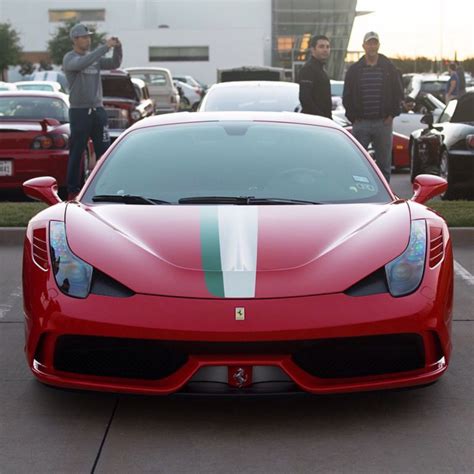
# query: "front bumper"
261, 340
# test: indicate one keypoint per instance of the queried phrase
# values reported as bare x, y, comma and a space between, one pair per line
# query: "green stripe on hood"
210, 250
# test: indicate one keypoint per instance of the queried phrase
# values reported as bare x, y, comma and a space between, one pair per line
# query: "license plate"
6, 168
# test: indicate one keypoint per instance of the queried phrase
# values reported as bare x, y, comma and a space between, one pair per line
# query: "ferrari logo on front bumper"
239, 314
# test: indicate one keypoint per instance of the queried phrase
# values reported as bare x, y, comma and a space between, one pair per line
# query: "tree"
10, 51
468, 65
61, 43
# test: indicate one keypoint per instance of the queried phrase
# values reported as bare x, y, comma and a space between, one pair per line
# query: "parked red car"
34, 128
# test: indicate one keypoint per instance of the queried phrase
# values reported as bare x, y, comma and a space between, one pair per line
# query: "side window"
157, 79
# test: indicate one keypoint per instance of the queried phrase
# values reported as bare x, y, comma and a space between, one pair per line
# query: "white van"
160, 85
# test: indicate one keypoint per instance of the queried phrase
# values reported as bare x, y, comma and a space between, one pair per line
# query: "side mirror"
43, 189
428, 119
427, 186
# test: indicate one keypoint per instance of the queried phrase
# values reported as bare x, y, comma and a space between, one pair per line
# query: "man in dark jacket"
372, 96
315, 88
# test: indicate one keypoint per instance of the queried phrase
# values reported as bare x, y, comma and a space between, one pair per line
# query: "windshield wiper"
127, 199
241, 200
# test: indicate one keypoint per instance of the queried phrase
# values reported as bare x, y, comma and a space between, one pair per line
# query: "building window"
285, 43
178, 53
76, 15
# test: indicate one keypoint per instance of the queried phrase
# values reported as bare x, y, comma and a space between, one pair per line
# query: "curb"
15, 235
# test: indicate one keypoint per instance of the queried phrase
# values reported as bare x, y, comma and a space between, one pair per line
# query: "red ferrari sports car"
238, 252
34, 128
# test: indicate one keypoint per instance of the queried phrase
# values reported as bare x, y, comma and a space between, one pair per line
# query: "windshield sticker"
361, 179
366, 187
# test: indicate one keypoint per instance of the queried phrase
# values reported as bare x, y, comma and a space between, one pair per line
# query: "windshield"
258, 159
253, 98
433, 86
120, 87
27, 107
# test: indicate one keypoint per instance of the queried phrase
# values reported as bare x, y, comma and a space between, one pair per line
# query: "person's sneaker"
72, 196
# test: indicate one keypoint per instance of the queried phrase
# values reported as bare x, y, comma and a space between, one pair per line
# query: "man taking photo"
87, 115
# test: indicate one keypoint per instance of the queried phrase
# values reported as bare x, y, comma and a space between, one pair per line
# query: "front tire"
445, 172
415, 168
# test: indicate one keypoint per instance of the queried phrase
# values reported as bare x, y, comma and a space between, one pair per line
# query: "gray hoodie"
83, 75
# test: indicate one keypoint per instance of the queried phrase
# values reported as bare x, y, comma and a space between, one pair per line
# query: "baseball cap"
371, 35
79, 30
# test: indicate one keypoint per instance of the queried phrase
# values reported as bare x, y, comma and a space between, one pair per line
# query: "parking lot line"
463, 273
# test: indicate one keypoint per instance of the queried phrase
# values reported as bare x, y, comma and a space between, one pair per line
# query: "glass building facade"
295, 21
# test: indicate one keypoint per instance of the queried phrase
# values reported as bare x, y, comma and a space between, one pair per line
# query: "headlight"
404, 274
73, 275
136, 115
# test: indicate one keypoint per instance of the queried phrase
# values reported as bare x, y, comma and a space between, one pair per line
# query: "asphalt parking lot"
44, 430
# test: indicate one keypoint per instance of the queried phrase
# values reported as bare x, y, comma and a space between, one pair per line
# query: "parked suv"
125, 100
160, 84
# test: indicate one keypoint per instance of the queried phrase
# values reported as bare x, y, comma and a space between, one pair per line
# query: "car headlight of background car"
404, 274
73, 275
136, 115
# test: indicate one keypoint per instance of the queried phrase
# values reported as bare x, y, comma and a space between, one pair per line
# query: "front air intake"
40, 248
116, 357
436, 245
362, 356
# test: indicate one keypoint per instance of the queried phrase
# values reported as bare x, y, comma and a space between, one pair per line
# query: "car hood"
238, 251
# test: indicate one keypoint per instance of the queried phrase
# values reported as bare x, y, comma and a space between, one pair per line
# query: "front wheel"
415, 168
444, 172
184, 104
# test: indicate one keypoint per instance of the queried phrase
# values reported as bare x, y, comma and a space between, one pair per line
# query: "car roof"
115, 72
430, 77
51, 94
232, 84
53, 83
201, 117
146, 68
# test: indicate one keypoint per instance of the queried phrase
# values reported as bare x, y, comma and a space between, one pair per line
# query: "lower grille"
116, 357
117, 118
154, 360
362, 356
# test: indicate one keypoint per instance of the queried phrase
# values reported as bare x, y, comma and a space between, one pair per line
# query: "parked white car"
408, 122
48, 86
56, 76
190, 95
7, 86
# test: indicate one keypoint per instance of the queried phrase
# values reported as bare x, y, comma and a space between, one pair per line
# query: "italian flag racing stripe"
229, 236
210, 250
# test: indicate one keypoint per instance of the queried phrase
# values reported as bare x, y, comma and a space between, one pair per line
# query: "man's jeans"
85, 123
380, 135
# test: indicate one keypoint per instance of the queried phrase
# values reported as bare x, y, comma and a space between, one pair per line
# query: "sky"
409, 28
